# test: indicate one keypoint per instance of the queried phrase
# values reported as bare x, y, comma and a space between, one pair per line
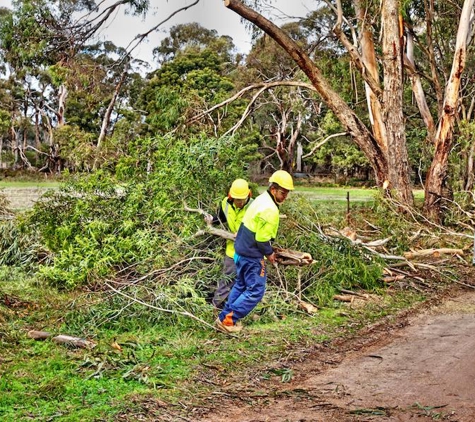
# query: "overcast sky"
211, 14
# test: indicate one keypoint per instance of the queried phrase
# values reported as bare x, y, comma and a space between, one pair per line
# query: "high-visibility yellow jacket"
232, 216
259, 227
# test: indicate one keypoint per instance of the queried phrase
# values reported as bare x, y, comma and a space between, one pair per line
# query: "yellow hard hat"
239, 189
283, 179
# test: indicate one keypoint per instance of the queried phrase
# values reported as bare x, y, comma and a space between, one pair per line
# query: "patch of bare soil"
418, 367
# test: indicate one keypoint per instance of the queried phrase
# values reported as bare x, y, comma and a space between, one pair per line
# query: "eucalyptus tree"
195, 72
280, 112
290, 116
33, 38
58, 77
381, 67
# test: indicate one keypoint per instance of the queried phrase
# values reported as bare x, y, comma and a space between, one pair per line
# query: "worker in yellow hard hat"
253, 243
230, 213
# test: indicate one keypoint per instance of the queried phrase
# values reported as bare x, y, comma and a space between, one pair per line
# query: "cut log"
74, 342
432, 252
308, 307
291, 257
39, 335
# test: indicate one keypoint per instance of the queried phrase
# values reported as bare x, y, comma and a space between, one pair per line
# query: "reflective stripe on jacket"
233, 218
259, 226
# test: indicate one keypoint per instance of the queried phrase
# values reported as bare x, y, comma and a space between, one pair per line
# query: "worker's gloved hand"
271, 258
208, 219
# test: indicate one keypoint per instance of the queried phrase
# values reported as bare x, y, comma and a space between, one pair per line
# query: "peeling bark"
355, 127
398, 170
369, 59
62, 95
437, 175
417, 89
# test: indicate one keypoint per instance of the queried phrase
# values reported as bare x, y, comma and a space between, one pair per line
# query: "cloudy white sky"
211, 14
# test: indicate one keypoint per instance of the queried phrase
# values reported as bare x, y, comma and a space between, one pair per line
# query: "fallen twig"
351, 292
432, 252
170, 311
71, 341
344, 298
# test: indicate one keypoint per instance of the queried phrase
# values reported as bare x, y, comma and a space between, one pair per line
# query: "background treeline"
67, 103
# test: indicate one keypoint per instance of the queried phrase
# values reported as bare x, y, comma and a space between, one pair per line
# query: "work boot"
228, 329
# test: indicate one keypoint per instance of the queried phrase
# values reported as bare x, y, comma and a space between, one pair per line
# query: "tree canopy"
350, 89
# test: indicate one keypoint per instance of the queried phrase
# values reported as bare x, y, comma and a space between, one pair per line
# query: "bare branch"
246, 112
262, 86
139, 38
170, 311
324, 142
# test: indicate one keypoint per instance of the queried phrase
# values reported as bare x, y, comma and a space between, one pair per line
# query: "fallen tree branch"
159, 271
351, 292
69, 341
170, 311
432, 252
291, 257
283, 256
75, 342
390, 279
209, 228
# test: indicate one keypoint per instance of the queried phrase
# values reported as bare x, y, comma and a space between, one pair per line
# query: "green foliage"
194, 74
76, 147
166, 108
340, 154
98, 224
19, 245
339, 264
463, 148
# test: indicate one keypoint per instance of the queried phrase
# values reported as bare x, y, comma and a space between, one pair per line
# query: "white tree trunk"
62, 95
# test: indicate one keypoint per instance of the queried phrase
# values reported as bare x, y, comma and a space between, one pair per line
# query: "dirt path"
424, 371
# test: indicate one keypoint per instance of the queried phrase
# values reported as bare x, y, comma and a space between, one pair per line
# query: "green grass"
337, 194
340, 194
42, 380
175, 360
29, 184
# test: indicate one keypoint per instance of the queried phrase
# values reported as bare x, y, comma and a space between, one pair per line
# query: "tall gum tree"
384, 140
444, 136
388, 166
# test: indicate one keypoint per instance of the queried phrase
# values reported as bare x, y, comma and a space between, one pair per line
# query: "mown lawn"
342, 194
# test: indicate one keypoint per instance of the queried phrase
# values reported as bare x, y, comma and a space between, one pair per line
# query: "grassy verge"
170, 363
28, 184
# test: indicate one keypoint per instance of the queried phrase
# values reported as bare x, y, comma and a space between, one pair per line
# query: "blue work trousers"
247, 291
